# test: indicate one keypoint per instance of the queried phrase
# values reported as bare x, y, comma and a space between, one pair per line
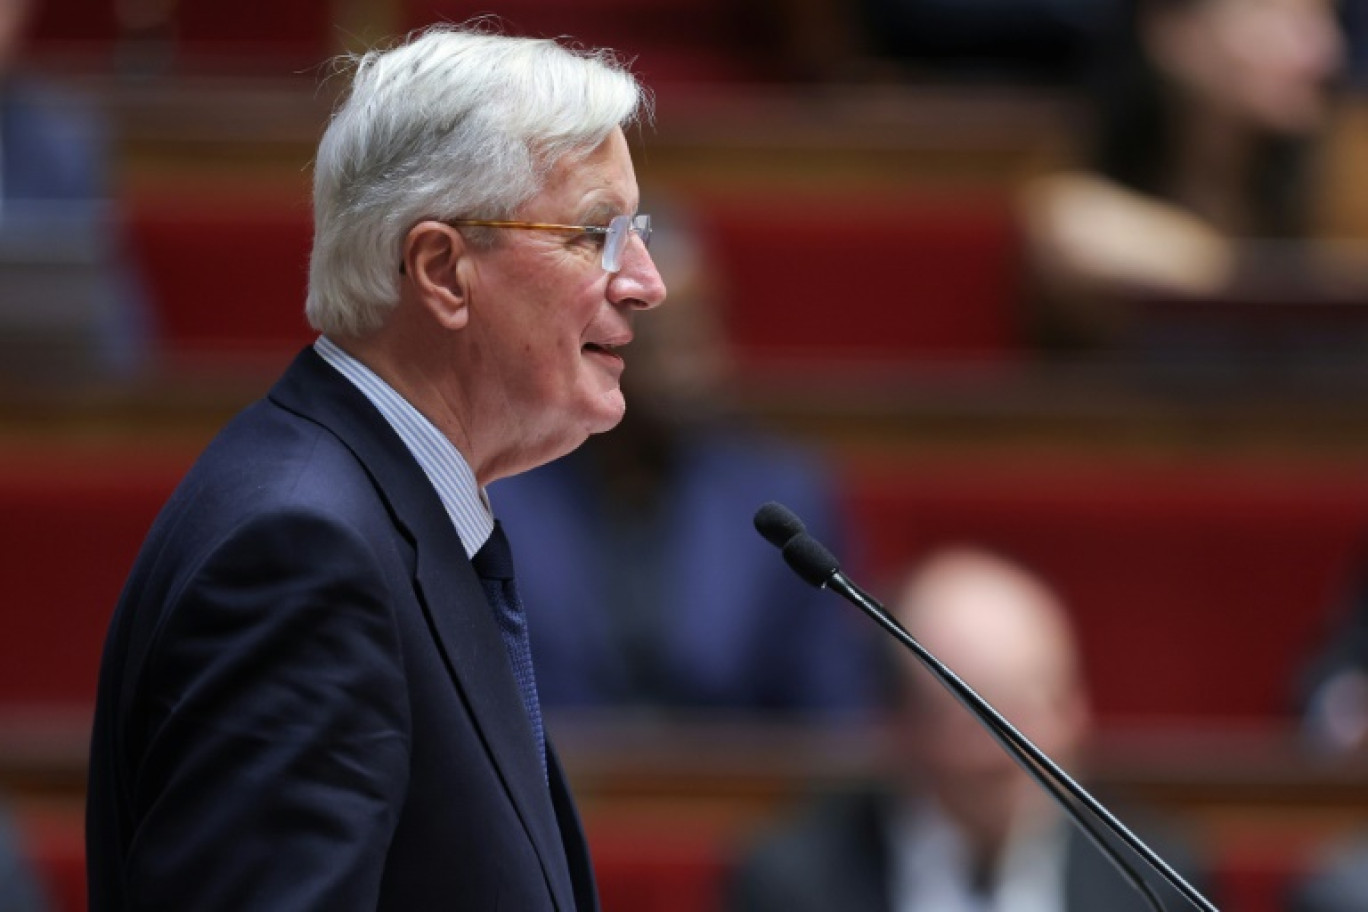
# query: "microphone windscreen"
778, 524
811, 560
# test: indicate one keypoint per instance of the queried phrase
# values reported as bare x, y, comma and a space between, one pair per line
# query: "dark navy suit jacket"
305, 702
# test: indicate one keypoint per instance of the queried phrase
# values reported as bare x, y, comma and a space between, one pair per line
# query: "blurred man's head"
1006, 634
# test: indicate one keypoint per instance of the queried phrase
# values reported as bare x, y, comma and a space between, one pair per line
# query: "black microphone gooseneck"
811, 560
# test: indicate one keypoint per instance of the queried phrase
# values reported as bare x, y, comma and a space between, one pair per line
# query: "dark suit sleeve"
275, 751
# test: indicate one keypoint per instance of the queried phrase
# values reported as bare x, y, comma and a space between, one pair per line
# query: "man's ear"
433, 255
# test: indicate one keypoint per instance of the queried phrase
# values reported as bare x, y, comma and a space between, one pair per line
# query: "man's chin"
612, 408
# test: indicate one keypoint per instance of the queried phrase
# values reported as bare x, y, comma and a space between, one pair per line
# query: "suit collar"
447, 587
442, 463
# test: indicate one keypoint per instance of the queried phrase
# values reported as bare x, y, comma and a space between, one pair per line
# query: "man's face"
1005, 637
974, 779
547, 320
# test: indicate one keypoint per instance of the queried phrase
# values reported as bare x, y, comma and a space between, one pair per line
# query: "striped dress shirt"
447, 470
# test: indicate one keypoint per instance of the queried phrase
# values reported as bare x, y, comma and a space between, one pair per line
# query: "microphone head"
811, 560
778, 524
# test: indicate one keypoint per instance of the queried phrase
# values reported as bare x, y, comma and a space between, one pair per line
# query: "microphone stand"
815, 564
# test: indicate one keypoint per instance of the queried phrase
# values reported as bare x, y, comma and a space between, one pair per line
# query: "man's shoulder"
275, 444
843, 817
831, 853
268, 458
823, 832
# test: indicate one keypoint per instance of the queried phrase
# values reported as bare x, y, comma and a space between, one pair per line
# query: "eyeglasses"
614, 235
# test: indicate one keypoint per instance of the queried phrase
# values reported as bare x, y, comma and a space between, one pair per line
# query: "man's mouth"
603, 348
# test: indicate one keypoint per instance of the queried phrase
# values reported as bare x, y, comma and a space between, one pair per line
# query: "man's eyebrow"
601, 213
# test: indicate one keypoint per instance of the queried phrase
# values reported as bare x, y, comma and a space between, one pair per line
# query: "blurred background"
1083, 283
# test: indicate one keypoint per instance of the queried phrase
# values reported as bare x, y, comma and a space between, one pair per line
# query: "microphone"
778, 524
812, 561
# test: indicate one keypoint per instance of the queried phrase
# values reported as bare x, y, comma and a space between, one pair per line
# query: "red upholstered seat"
667, 40
303, 31
225, 277
72, 527
1198, 591
646, 870
74, 22
825, 281
299, 33
1258, 882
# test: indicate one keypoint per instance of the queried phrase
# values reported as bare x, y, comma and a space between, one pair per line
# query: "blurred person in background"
653, 593
1337, 881
1333, 690
1206, 118
53, 147
959, 827
1333, 698
55, 206
20, 890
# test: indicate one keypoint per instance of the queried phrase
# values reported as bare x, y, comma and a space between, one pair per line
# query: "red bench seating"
666, 40
301, 33
72, 527
1198, 591
656, 871
78, 22
224, 276
822, 281
815, 282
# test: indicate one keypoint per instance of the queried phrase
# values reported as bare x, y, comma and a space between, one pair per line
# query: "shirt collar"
465, 502
931, 865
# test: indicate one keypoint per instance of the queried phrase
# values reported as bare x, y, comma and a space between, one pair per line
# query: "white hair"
455, 122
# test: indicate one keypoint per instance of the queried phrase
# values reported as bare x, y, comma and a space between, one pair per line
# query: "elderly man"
961, 828
316, 691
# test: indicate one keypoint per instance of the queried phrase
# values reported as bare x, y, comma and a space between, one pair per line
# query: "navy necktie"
494, 565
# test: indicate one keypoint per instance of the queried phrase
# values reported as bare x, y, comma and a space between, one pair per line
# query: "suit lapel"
450, 592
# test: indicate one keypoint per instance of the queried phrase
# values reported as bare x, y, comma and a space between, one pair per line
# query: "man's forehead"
597, 181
